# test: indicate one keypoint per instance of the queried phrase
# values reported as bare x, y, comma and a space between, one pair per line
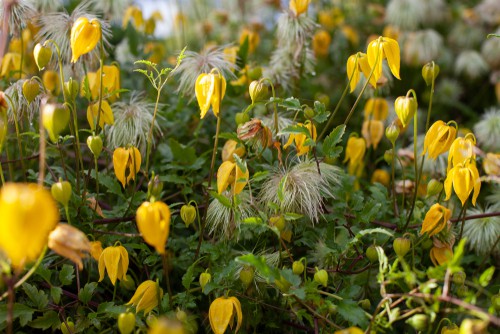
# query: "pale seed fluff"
421, 47
466, 36
470, 64
112, 9
488, 11
47, 6
133, 120
19, 13
491, 50
487, 130
482, 233
405, 14
449, 90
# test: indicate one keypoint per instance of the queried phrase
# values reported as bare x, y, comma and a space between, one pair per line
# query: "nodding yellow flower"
11, 62
300, 138
85, 35
377, 108
440, 255
331, 18
133, 14
405, 107
321, 43
462, 149
146, 296
380, 48
126, 160
28, 215
92, 85
106, 114
435, 219
438, 139
381, 176
372, 131
113, 259
70, 242
110, 80
232, 147
253, 39
299, 7
230, 173
51, 82
95, 249
222, 312
354, 152
210, 89
491, 164
357, 64
350, 330
55, 118
464, 178
450, 329
153, 222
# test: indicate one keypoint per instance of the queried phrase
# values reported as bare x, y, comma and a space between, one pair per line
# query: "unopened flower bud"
459, 278
298, 267
246, 276
434, 187
321, 277
365, 304
323, 98
419, 322
31, 89
371, 254
309, 112
405, 107
392, 132
278, 222
241, 118
388, 156
55, 118
188, 214
71, 89
68, 327
204, 279
61, 191
42, 55
462, 291
401, 246
126, 322
155, 187
95, 145
258, 91
430, 71
70, 242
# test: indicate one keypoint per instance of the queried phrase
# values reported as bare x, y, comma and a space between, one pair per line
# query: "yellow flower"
391, 32
210, 89
476, 326
231, 54
93, 85
376, 107
435, 219
11, 62
230, 173
350, 330
232, 147
381, 176
95, 249
491, 164
41, 55
439, 139
27, 215
166, 325
146, 296
372, 131
51, 82
126, 159
106, 114
113, 259
70, 242
133, 14
405, 107
331, 18
321, 43
354, 153
153, 222
450, 329
380, 48
222, 312
300, 138
85, 35
464, 178
253, 39
440, 255
55, 118
110, 80
299, 7
357, 64
461, 149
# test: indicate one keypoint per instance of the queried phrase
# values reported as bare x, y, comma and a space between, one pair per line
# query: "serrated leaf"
350, 311
67, 274
47, 320
38, 297
183, 155
259, 262
331, 141
295, 129
111, 308
188, 277
291, 103
21, 311
55, 293
85, 294
320, 112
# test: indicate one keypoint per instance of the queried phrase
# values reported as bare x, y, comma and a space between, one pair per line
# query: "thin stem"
167, 278
337, 107
393, 172
41, 158
62, 160
66, 210
10, 305
464, 212
415, 134
19, 144
150, 134
79, 161
276, 125
96, 183
1, 174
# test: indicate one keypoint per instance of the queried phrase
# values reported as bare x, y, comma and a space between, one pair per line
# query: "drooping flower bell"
114, 260
31, 89
321, 43
110, 80
300, 139
464, 178
69, 242
85, 35
380, 48
126, 163
146, 296
232, 147
406, 107
354, 152
55, 118
106, 116
95, 249
11, 62
357, 64
61, 191
376, 108
42, 55
435, 219
253, 39
153, 222
231, 173
222, 312
461, 149
440, 255
210, 89
372, 131
438, 139
133, 14
51, 82
299, 7
188, 214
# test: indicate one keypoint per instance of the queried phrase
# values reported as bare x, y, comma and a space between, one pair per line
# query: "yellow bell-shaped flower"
69, 242
354, 153
106, 117
440, 255
372, 131
300, 139
435, 219
450, 329
438, 139
95, 249
253, 39
321, 43
232, 147
230, 173
210, 89
357, 64
146, 296
376, 108
405, 107
92, 85
55, 118
27, 215
463, 178
462, 149
110, 80
222, 312
381, 176
126, 163
11, 62
114, 260
85, 35
153, 222
299, 7
133, 14
384, 48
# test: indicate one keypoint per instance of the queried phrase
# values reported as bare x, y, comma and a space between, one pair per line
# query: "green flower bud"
55, 118
42, 55
388, 156
495, 302
459, 278
323, 98
434, 187
258, 91
365, 304
255, 73
321, 277
31, 89
298, 267
188, 214
401, 246
371, 254
155, 187
181, 315
246, 276
65, 329
462, 291
61, 191
71, 89
430, 71
309, 112
95, 145
241, 118
419, 322
392, 133
126, 322
204, 279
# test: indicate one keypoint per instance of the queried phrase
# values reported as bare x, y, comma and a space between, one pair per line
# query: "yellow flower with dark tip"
126, 163
230, 174
354, 153
222, 312
438, 139
372, 131
321, 43
440, 255
300, 138
28, 214
106, 117
380, 49
435, 219
85, 35
299, 7
11, 62
69, 242
461, 149
376, 108
153, 222
210, 89
463, 178
357, 64
114, 260
146, 296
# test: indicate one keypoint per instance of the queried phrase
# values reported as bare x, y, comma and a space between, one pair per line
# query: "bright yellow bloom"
106, 117
95, 249
331, 18
491, 164
232, 147
110, 80
113, 259
300, 139
11, 62
405, 107
93, 85
222, 312
165, 325
435, 219
253, 39
69, 242
146, 296
51, 82
126, 159
440, 255
380, 48
85, 35
153, 222
321, 43
357, 64
464, 178
133, 14
55, 118
27, 215
372, 131
230, 173
381, 176
376, 107
350, 330
210, 89
299, 7
439, 139
354, 153
461, 149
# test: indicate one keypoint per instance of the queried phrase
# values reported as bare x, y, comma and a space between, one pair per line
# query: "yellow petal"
392, 53
477, 182
352, 72
219, 91
120, 159
223, 175
111, 261
374, 54
462, 183
448, 183
124, 261
102, 267
153, 221
204, 89
237, 307
220, 313
240, 180
84, 37
366, 69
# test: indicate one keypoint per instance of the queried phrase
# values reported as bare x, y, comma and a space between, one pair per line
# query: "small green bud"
31, 89
95, 145
298, 267
71, 89
371, 254
65, 329
419, 322
42, 55
401, 246
321, 277
323, 98
155, 187
392, 132
255, 73
126, 322
258, 91
434, 187
405, 107
430, 71
246, 276
181, 315
309, 112
495, 302
204, 279
55, 118
241, 118
462, 291
365, 304
188, 214
61, 191
388, 156
427, 244
459, 278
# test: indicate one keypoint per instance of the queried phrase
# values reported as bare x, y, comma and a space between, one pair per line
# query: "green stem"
1, 174
463, 213
41, 158
150, 134
276, 125
19, 144
167, 279
415, 135
66, 210
337, 107
393, 172
63, 165
96, 166
76, 144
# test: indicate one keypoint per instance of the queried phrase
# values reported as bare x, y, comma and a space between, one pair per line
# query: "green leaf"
320, 112
21, 311
350, 311
85, 294
295, 129
55, 293
259, 262
67, 274
222, 199
47, 320
183, 155
292, 216
281, 188
111, 308
188, 277
291, 103
486, 276
242, 54
253, 220
229, 135
331, 141
38, 297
